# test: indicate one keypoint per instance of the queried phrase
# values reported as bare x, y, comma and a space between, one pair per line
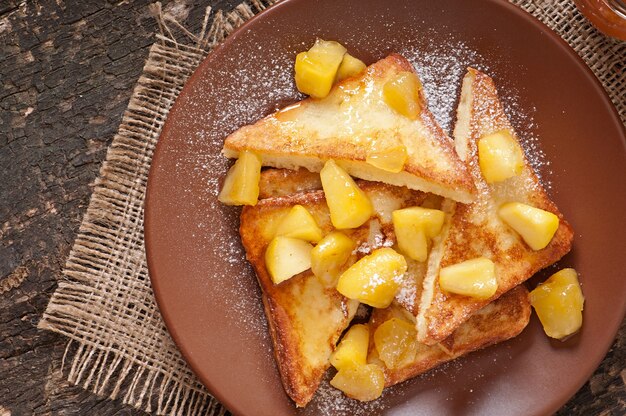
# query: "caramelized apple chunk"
350, 66
375, 279
401, 93
391, 159
559, 304
348, 205
412, 242
352, 350
317, 68
329, 255
534, 225
475, 278
299, 223
241, 186
285, 257
396, 342
361, 382
499, 156
413, 227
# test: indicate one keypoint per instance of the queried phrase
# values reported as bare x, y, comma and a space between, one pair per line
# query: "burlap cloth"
119, 346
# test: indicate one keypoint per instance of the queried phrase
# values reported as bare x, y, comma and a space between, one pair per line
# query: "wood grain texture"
67, 69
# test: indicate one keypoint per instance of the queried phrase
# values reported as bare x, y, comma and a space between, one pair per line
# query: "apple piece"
475, 278
499, 156
286, 257
352, 350
349, 206
374, 279
241, 186
350, 66
391, 159
329, 255
534, 225
317, 68
413, 227
396, 342
361, 382
559, 304
401, 93
412, 242
299, 223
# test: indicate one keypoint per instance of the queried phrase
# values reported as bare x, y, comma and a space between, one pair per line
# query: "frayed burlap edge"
119, 346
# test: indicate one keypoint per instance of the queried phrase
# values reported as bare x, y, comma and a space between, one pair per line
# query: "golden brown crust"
503, 319
315, 130
305, 318
475, 230
284, 182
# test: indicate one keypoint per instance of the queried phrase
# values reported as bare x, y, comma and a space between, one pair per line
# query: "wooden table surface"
67, 69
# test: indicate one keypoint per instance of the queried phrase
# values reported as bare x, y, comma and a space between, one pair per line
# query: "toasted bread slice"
347, 124
503, 319
475, 230
305, 318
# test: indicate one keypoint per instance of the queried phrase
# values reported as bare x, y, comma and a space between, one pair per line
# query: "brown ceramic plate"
206, 291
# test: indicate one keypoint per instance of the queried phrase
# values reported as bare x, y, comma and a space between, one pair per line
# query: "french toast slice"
496, 322
348, 124
305, 318
475, 230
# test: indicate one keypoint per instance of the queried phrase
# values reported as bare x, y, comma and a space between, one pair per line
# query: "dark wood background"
67, 69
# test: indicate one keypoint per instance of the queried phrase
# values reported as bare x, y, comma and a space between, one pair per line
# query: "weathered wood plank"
67, 69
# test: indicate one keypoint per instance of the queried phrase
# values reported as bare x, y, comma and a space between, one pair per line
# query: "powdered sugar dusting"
406, 296
250, 91
441, 70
